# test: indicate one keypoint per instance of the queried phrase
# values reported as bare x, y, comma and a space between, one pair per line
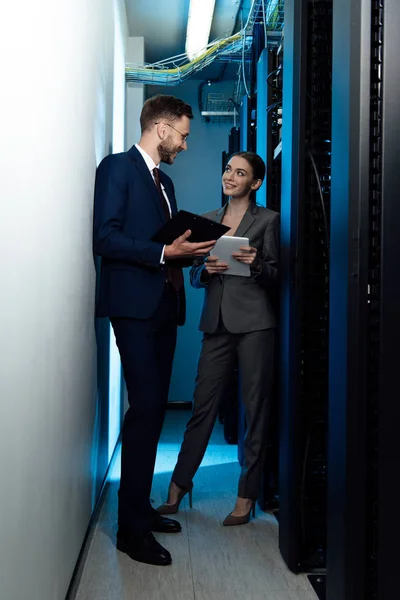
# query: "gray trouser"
255, 352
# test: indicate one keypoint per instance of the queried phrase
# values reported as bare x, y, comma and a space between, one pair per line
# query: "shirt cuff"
162, 261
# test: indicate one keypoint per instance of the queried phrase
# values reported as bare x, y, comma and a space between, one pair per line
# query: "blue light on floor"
217, 454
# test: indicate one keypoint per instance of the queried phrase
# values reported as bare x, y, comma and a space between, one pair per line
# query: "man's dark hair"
162, 107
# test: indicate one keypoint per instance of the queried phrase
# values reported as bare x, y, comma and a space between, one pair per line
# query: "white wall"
56, 111
134, 93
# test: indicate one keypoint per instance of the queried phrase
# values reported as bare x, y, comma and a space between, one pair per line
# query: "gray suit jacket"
244, 302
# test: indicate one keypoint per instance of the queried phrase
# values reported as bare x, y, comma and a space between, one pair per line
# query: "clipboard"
202, 229
224, 248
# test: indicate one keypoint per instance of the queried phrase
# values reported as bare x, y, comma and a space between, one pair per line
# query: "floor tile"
210, 562
249, 595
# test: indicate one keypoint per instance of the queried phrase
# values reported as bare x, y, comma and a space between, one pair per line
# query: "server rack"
269, 115
269, 101
315, 297
304, 311
253, 137
256, 126
229, 411
365, 290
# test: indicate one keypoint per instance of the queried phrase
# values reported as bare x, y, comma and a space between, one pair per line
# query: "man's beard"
166, 152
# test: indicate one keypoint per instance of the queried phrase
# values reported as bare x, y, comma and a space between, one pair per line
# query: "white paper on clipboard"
224, 248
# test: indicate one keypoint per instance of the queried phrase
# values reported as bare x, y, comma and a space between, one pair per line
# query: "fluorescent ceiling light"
199, 26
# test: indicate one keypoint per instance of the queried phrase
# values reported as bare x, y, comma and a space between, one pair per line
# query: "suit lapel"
246, 222
144, 172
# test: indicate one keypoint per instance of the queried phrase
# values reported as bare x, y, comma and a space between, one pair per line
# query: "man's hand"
213, 266
246, 255
181, 248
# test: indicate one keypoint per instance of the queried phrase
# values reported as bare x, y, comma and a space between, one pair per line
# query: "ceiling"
162, 23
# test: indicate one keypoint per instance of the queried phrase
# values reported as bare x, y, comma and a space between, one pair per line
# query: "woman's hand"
213, 266
246, 255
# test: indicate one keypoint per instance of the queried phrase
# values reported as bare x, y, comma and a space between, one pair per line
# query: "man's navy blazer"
127, 213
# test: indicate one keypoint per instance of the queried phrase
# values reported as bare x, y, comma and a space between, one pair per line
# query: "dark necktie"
175, 275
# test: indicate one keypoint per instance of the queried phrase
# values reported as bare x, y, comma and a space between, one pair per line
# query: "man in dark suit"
143, 295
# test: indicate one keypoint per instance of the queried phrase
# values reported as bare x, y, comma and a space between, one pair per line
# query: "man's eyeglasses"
184, 137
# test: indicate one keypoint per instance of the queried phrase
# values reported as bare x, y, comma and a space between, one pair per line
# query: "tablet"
202, 229
224, 248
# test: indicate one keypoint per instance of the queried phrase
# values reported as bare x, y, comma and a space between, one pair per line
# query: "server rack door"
348, 300
305, 201
388, 447
364, 444
292, 190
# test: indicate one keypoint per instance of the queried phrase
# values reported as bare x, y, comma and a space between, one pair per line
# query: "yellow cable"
209, 52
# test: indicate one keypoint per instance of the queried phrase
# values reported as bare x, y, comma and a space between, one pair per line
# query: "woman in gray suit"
237, 320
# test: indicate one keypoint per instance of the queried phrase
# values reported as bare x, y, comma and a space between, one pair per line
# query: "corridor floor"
210, 562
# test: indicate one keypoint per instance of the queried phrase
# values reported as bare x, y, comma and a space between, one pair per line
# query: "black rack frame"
304, 309
292, 192
364, 444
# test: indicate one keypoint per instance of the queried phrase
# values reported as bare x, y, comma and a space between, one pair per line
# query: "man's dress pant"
147, 349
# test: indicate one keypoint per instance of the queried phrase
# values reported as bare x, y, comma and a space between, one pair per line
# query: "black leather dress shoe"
143, 548
164, 525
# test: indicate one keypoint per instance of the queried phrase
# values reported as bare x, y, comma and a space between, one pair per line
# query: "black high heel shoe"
171, 509
232, 520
